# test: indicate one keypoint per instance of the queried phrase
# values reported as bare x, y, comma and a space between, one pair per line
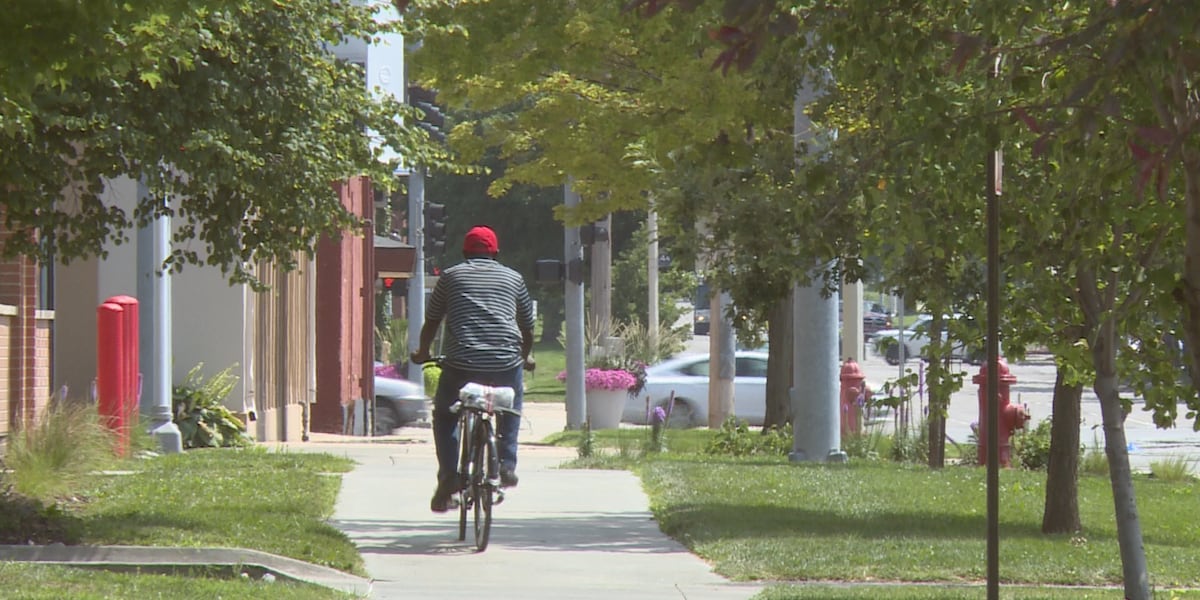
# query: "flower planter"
604, 407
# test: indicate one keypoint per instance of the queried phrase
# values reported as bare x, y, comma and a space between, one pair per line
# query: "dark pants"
445, 423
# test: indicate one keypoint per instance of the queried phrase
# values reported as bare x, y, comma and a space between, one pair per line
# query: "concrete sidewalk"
563, 533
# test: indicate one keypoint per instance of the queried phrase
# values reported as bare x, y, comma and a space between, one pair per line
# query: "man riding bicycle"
489, 334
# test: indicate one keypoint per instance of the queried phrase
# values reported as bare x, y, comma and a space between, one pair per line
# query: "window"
698, 369
751, 367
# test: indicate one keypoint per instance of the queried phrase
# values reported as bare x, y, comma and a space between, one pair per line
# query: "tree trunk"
1187, 295
939, 393
1061, 514
1129, 527
779, 365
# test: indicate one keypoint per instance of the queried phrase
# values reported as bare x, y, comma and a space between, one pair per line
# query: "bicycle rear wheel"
483, 479
466, 436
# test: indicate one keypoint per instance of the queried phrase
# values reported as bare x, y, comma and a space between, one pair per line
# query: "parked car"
886, 342
700, 321
687, 377
398, 402
875, 317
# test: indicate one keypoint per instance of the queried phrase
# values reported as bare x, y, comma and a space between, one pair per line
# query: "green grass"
920, 532
543, 385
946, 592
776, 521
626, 441
248, 498
38, 582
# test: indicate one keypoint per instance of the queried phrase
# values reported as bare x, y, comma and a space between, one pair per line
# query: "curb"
166, 559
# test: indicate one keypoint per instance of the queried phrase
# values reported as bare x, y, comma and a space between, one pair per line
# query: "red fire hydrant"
1012, 417
854, 395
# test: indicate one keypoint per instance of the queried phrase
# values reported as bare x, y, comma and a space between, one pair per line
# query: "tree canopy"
236, 111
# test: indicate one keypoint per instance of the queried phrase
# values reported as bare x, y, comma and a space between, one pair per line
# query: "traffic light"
433, 122
435, 228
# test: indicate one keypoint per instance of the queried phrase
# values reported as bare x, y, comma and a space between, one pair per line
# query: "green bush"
50, 457
735, 439
1094, 461
200, 414
911, 444
864, 445
1176, 469
1031, 447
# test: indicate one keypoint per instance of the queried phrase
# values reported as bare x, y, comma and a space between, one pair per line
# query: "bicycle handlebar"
529, 364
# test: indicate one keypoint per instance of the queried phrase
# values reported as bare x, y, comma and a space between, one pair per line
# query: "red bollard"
854, 394
129, 354
1012, 417
110, 371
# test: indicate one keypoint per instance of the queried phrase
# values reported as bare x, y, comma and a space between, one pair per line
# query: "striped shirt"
486, 306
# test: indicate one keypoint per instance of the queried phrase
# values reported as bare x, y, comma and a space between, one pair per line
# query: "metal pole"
816, 427
573, 296
652, 274
722, 352
852, 321
993, 370
416, 285
154, 325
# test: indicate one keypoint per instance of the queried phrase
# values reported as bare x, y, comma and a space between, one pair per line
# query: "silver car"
398, 402
687, 377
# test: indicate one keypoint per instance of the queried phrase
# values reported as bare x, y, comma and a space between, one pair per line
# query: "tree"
631, 110
245, 123
1079, 78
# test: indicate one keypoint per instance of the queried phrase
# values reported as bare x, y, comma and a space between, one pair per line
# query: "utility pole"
815, 410
416, 284
722, 360
154, 325
852, 321
573, 309
652, 274
601, 309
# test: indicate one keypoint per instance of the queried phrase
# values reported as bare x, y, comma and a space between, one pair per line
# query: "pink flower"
605, 379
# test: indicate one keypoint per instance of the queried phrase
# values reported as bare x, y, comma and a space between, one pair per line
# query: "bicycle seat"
486, 397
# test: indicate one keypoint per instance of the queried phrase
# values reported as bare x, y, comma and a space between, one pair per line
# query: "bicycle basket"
486, 397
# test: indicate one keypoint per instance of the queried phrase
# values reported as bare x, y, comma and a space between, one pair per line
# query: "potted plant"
607, 390
615, 369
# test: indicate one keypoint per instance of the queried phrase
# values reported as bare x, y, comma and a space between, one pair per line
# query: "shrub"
202, 418
1094, 461
50, 457
1031, 447
587, 441
863, 445
911, 444
735, 439
1176, 469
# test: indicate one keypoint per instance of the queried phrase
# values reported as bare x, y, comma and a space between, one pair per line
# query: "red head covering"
481, 240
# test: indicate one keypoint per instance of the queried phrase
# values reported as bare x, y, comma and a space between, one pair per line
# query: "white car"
687, 377
886, 342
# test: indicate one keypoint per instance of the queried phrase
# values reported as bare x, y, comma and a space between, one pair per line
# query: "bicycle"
478, 475
478, 464
478, 479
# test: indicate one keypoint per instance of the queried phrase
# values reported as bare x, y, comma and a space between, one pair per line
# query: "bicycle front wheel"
483, 482
466, 435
